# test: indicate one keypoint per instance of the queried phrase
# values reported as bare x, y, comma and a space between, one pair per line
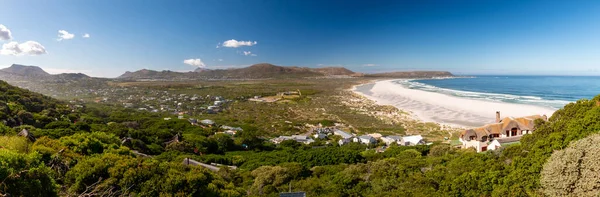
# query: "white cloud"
248, 53
5, 33
235, 44
369, 65
65, 35
194, 62
26, 48
220, 60
86, 35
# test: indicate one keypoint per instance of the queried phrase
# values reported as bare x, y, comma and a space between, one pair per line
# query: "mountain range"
266, 70
257, 71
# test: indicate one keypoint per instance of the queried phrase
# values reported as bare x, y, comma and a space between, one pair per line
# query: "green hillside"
19, 106
103, 150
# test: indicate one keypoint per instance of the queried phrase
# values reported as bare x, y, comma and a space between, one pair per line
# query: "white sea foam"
466, 109
530, 100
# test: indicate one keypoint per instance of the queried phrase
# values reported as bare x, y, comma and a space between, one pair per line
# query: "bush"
573, 171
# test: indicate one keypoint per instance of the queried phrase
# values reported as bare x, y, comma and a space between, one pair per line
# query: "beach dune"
444, 109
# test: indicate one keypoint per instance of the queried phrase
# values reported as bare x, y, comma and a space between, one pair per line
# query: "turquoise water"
546, 91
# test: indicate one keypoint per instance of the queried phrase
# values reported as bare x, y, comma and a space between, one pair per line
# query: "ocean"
544, 91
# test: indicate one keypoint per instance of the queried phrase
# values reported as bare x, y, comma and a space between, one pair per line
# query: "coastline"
446, 110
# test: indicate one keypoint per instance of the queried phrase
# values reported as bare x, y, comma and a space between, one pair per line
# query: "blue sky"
464, 37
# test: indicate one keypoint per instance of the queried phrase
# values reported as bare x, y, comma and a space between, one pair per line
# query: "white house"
391, 139
365, 139
207, 122
342, 133
513, 128
298, 138
503, 142
411, 140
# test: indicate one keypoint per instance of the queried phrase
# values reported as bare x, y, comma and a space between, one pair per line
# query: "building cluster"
154, 100
346, 137
499, 134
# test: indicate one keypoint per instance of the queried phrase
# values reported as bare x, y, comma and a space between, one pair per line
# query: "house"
412, 140
503, 142
213, 167
365, 139
174, 139
344, 141
320, 136
207, 122
230, 132
298, 138
391, 139
375, 135
342, 133
479, 138
303, 139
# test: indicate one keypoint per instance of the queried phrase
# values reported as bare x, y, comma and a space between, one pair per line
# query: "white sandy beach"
441, 108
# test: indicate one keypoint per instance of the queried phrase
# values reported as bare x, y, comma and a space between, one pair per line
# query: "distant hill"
259, 71
256, 71
150, 74
60, 85
23, 70
412, 74
34, 73
334, 71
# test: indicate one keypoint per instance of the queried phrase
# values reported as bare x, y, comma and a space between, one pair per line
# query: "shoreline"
445, 110
410, 114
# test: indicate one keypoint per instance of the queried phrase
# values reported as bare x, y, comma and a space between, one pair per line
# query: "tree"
268, 178
24, 175
224, 142
575, 170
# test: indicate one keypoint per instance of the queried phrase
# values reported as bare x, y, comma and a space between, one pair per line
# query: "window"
513, 131
472, 137
484, 148
495, 135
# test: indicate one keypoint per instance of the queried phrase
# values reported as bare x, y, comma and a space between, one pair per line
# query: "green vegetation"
101, 150
573, 170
